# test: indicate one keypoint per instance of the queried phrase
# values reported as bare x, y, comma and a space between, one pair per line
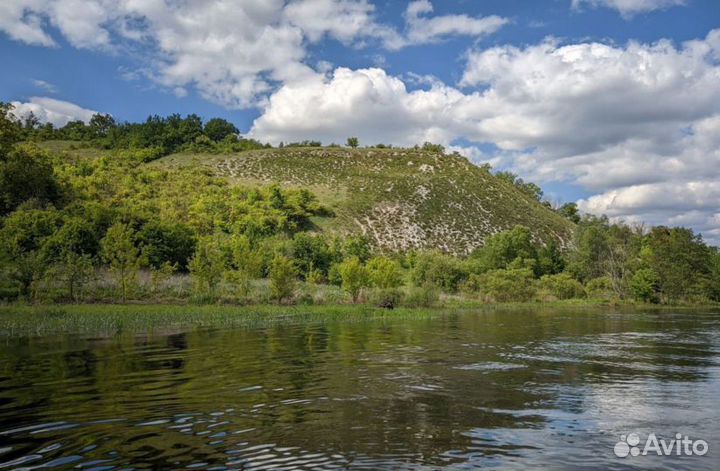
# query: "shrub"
441, 270
354, 277
600, 287
507, 285
421, 296
562, 286
384, 273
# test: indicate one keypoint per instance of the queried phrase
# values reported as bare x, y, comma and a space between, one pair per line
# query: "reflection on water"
510, 390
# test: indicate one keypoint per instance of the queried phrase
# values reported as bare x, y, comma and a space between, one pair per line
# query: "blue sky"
613, 103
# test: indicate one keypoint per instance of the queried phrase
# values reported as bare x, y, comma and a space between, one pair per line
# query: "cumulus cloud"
637, 125
422, 29
50, 110
233, 52
629, 8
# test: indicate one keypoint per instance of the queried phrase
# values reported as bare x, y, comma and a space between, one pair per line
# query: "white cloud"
629, 8
234, 52
47, 86
50, 110
422, 29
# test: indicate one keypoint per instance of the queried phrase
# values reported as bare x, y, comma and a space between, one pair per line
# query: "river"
524, 389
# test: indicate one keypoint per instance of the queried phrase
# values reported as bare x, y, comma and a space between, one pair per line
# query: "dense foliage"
110, 227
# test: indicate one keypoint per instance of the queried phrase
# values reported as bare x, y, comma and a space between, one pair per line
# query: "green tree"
644, 284
679, 258
352, 142
505, 248
208, 265
118, 250
283, 277
354, 277
311, 253
570, 211
218, 129
10, 129
26, 174
384, 273
166, 242
438, 269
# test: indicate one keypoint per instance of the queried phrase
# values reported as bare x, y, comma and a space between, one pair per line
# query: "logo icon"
629, 445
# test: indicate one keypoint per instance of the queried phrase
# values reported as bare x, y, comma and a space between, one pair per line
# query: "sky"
613, 104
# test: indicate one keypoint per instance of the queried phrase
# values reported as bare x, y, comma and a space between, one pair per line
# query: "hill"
400, 198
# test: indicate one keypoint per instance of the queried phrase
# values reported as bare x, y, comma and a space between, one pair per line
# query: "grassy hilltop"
399, 198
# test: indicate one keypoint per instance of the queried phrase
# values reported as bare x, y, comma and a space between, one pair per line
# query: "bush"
354, 277
421, 296
513, 285
562, 286
441, 270
600, 287
384, 273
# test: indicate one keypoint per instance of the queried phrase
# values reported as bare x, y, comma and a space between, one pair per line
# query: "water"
477, 390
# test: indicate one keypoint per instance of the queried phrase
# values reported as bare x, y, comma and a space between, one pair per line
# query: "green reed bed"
109, 319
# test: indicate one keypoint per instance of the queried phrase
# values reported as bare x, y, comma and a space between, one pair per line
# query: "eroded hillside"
400, 198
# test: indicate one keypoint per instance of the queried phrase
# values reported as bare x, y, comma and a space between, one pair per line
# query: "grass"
105, 320
114, 319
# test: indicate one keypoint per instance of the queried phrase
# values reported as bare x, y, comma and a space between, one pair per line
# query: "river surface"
506, 390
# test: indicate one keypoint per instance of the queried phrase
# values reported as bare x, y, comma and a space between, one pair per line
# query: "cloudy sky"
614, 104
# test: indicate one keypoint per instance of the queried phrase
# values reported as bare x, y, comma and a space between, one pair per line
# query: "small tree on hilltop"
352, 142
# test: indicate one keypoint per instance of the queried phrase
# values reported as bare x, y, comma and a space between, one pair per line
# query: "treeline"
109, 229
155, 137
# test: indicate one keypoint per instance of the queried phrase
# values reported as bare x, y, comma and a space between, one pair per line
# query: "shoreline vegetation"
106, 320
108, 221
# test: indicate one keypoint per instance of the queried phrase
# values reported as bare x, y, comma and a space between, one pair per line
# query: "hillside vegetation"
177, 210
401, 199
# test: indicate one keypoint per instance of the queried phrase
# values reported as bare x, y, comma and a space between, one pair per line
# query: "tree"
26, 174
505, 248
100, 124
352, 142
22, 235
354, 277
384, 273
119, 251
69, 252
10, 129
207, 265
679, 258
570, 211
283, 276
311, 253
438, 269
166, 242
644, 284
218, 129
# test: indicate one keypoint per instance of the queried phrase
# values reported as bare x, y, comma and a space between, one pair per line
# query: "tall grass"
110, 319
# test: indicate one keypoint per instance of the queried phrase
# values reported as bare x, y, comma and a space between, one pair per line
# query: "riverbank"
18, 320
